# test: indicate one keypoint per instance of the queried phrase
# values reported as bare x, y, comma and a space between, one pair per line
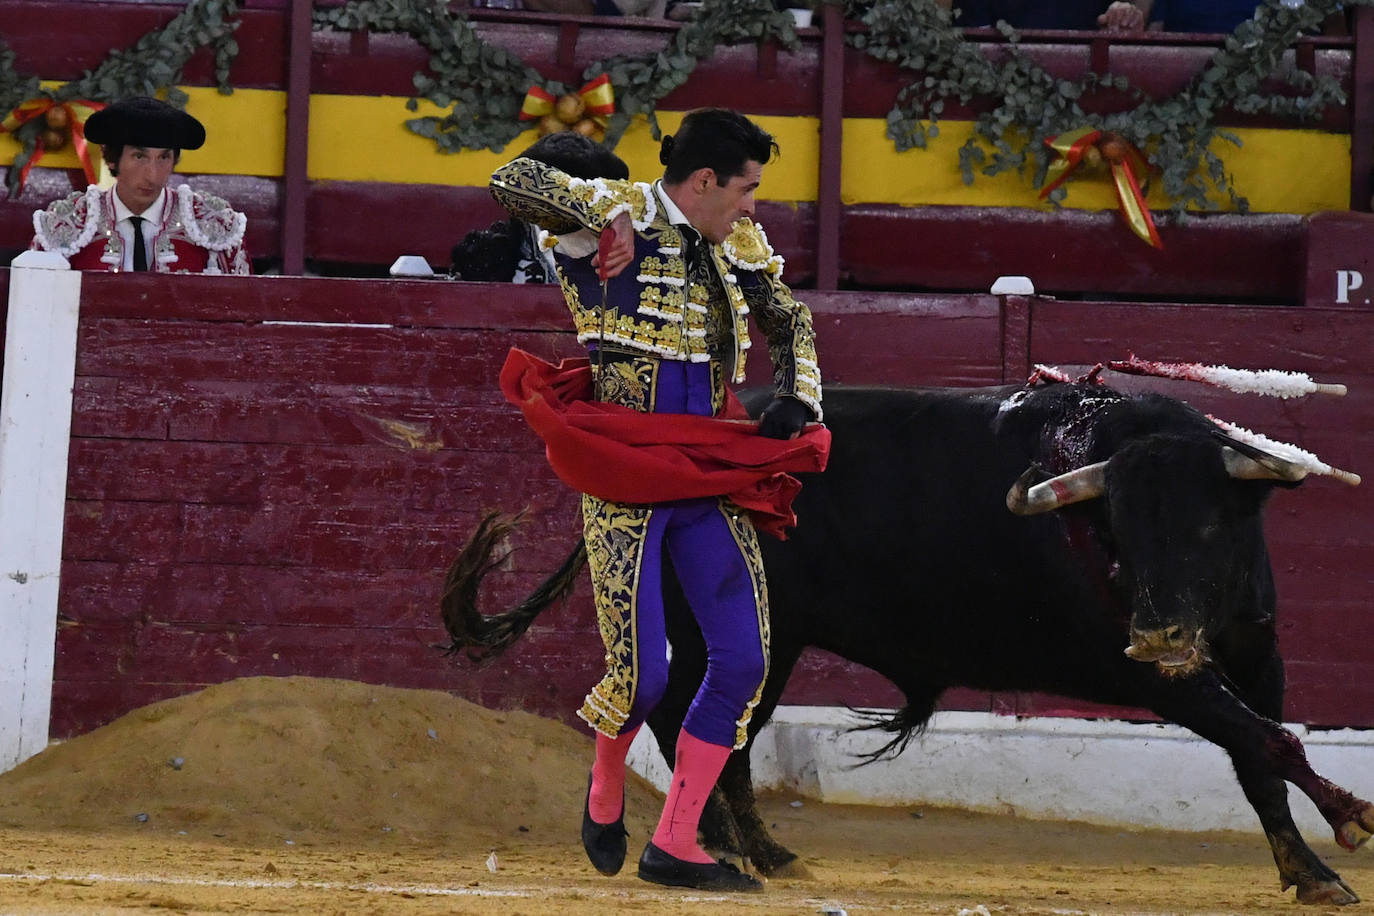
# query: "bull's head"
1185, 536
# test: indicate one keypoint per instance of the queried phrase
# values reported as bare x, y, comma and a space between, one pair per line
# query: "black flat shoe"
605, 843
659, 867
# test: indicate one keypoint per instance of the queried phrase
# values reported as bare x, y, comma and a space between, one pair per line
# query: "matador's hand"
615, 253
783, 418
1122, 16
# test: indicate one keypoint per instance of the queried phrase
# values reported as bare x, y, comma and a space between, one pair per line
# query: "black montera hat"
144, 121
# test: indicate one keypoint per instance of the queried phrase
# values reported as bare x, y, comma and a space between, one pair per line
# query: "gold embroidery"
629, 383
742, 529
615, 535
663, 322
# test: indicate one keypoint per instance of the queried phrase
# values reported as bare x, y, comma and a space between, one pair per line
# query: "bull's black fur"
906, 560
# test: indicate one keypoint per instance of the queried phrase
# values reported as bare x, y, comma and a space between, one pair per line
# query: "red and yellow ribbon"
77, 111
597, 96
538, 102
1127, 165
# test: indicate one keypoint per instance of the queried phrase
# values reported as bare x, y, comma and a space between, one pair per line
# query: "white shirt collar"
153, 214
670, 209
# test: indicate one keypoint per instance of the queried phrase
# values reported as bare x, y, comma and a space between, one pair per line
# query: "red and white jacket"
200, 233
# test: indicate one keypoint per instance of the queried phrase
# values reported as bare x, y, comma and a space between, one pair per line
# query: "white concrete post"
35, 426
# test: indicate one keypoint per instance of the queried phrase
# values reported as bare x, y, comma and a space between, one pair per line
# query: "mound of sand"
314, 760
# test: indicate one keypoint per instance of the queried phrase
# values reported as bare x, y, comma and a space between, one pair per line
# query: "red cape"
625, 456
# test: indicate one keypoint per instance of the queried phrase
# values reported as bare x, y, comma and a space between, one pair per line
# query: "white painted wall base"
35, 426
1098, 771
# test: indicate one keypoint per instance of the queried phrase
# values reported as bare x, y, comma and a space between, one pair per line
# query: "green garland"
484, 86
475, 79
1177, 133
14, 88
154, 64
640, 82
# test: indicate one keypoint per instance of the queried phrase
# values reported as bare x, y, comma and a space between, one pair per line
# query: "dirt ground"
304, 796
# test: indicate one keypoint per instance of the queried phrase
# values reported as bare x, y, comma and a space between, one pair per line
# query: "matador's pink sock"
695, 769
606, 800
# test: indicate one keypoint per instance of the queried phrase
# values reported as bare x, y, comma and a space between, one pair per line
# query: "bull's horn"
1271, 467
1085, 483
1268, 467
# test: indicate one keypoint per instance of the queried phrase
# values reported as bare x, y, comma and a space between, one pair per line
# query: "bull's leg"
737, 783
1249, 656
1264, 755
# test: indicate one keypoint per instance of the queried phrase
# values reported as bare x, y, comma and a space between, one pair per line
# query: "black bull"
906, 560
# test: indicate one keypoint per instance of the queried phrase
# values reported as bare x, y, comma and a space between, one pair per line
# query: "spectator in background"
141, 224
649, 9
1029, 14
1220, 16
1177, 15
509, 250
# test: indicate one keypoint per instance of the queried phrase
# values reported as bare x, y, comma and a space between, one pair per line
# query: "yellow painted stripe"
246, 134
1279, 171
364, 138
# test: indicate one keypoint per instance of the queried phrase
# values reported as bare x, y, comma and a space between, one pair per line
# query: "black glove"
783, 417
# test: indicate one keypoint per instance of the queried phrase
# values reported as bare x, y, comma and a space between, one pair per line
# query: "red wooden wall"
250, 497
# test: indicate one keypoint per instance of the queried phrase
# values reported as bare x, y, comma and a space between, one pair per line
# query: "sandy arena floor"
301, 796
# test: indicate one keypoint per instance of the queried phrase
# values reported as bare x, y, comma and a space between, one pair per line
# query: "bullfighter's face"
143, 172
720, 206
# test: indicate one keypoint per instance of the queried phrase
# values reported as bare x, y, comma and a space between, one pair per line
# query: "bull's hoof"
771, 859
1333, 892
793, 868
1352, 835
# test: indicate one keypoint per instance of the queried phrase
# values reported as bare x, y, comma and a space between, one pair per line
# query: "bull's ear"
1245, 462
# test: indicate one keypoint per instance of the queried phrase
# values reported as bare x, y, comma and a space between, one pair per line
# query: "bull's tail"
484, 638
906, 724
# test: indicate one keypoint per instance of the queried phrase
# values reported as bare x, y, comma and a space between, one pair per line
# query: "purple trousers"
714, 550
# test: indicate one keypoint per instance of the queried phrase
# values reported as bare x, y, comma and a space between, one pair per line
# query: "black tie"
690, 241
140, 252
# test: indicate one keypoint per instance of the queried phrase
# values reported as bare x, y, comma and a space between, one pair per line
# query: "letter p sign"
1347, 281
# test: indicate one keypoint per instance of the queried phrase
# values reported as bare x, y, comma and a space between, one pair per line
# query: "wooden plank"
946, 248
1329, 695
212, 412
1158, 66
384, 479
120, 531
391, 61
402, 303
339, 355
29, 27
1340, 270
114, 594
429, 220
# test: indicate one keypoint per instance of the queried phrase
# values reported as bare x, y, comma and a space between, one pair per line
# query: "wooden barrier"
269, 476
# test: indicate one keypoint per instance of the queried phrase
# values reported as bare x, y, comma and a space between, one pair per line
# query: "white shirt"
583, 242
152, 225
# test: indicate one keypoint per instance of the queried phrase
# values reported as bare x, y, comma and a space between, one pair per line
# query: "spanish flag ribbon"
597, 95
600, 98
538, 102
1127, 166
77, 111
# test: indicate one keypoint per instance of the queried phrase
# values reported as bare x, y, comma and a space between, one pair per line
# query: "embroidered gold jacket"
663, 311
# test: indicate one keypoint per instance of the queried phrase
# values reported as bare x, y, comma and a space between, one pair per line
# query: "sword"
603, 248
